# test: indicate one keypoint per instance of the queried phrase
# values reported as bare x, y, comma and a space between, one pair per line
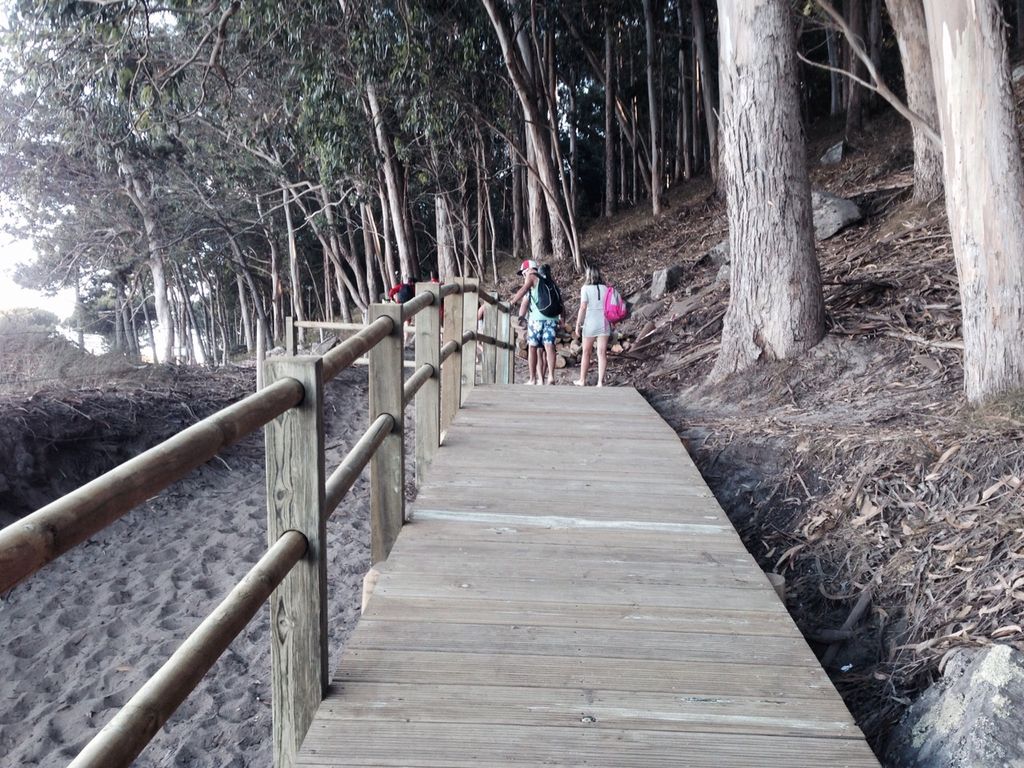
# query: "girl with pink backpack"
594, 324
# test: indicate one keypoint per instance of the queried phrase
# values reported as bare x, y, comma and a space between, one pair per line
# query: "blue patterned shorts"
541, 332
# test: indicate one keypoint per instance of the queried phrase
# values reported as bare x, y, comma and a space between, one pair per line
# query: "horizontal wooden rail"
346, 353
449, 349
38, 538
414, 305
127, 734
485, 339
468, 336
449, 289
494, 301
414, 382
328, 325
342, 479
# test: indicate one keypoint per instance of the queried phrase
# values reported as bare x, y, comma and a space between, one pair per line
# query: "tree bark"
984, 188
708, 87
243, 308
393, 176
293, 258
835, 79
909, 24
447, 268
776, 308
653, 105
609, 118
855, 93
684, 167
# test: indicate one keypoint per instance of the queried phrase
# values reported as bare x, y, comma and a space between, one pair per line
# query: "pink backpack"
615, 309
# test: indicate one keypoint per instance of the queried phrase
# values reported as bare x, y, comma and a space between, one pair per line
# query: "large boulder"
971, 717
719, 255
834, 154
664, 280
831, 213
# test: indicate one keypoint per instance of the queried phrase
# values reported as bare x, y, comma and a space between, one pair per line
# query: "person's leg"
531, 363
602, 359
549, 347
588, 348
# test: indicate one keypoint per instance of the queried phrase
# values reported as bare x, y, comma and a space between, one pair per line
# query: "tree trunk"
908, 22
243, 308
298, 312
652, 107
855, 17
393, 181
684, 167
707, 83
609, 118
520, 66
776, 308
446, 260
835, 79
984, 188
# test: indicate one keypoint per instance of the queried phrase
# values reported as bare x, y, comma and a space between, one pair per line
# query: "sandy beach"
82, 635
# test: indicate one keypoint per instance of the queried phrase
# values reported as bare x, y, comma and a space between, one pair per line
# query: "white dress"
594, 322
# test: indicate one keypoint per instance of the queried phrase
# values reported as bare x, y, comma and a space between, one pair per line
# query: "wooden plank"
606, 709
387, 467
428, 399
570, 643
470, 304
461, 609
489, 354
451, 369
586, 673
434, 745
298, 607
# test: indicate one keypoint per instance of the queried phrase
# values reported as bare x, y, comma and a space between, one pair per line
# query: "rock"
831, 213
560, 362
648, 311
969, 717
615, 349
723, 274
720, 253
1018, 73
834, 154
664, 280
640, 297
685, 306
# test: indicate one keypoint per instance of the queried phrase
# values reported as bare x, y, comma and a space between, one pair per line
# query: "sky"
13, 296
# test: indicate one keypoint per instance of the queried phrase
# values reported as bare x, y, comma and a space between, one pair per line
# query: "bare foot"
550, 382
600, 383
530, 382
579, 383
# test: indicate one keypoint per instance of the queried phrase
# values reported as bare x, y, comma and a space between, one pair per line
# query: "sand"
82, 635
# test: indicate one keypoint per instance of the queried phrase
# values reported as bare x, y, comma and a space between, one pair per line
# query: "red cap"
526, 266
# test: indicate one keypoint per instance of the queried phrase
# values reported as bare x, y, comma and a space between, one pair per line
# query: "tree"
776, 308
984, 188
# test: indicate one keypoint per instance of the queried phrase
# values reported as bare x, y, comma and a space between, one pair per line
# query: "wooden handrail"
414, 382
42, 536
414, 305
449, 349
131, 729
346, 353
449, 289
342, 479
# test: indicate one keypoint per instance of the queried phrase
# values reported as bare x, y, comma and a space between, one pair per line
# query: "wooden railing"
300, 499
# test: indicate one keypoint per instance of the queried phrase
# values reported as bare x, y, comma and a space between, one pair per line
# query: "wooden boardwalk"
569, 592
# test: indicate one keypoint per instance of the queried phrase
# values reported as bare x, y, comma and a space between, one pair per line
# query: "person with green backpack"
542, 327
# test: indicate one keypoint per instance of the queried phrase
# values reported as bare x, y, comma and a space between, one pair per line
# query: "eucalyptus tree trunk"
298, 311
984, 188
141, 195
393, 275
684, 169
775, 305
835, 80
707, 82
243, 309
519, 61
652, 107
855, 17
908, 21
393, 178
447, 268
609, 118
517, 204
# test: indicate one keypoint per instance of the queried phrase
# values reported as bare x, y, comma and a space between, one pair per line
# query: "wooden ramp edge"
568, 592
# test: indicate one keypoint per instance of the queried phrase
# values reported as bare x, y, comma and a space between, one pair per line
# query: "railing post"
387, 467
504, 333
489, 354
428, 399
298, 607
451, 369
291, 336
470, 305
